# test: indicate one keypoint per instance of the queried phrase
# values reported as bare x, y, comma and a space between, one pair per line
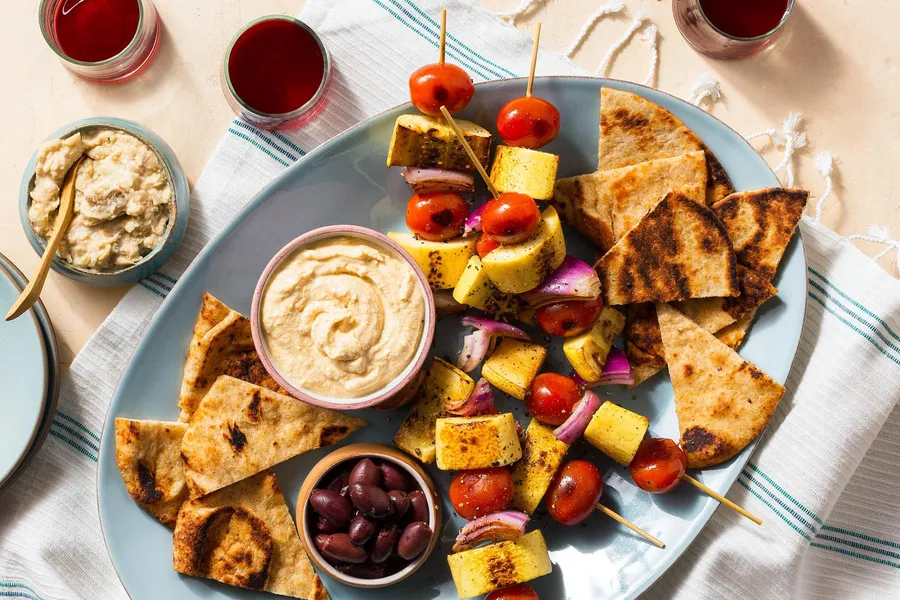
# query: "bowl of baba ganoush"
131, 200
343, 318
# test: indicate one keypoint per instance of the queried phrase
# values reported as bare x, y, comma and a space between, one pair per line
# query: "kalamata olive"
338, 547
339, 484
385, 541
419, 506
366, 570
361, 529
394, 477
323, 525
370, 500
332, 506
414, 540
366, 473
400, 502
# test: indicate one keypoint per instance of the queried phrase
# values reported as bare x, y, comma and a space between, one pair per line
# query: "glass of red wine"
276, 72
731, 28
104, 41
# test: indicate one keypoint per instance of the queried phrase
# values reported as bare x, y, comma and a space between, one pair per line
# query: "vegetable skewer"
472, 157
440, 83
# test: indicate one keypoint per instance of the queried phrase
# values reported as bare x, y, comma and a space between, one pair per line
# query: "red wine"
95, 30
276, 66
745, 18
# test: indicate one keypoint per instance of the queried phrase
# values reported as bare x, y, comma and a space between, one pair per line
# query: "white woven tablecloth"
826, 478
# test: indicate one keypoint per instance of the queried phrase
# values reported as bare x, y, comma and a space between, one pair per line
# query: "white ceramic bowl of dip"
408, 375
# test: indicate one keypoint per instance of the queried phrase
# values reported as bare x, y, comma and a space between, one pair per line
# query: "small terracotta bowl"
351, 454
408, 377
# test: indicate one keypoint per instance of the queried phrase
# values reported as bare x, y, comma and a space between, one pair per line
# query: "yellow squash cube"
525, 171
587, 352
617, 432
542, 456
475, 289
513, 365
482, 570
442, 262
428, 142
518, 268
477, 442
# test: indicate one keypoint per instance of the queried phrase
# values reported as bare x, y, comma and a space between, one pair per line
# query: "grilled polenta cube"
428, 142
442, 262
617, 432
588, 351
542, 455
477, 442
513, 365
475, 289
525, 171
444, 382
518, 268
482, 570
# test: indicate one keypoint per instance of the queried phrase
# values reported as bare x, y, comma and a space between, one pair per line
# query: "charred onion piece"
479, 402
495, 527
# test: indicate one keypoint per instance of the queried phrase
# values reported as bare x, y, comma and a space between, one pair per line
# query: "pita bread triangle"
578, 203
243, 535
221, 345
148, 454
722, 401
634, 130
240, 429
678, 251
714, 314
760, 224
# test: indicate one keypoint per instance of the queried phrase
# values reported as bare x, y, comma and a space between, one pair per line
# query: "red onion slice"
475, 348
429, 181
616, 371
573, 280
495, 328
473, 221
479, 402
574, 426
495, 527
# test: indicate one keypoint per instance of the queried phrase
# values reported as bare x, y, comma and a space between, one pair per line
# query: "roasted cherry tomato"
510, 218
528, 122
658, 465
485, 245
481, 492
516, 592
574, 492
436, 85
551, 396
569, 317
436, 217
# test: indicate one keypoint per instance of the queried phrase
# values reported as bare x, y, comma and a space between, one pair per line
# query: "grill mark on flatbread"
761, 223
333, 434
718, 184
697, 440
664, 257
247, 366
253, 410
236, 438
148, 493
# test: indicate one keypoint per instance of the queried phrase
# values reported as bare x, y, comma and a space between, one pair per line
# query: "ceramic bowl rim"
395, 385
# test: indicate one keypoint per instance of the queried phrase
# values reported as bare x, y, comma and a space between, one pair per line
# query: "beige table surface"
839, 64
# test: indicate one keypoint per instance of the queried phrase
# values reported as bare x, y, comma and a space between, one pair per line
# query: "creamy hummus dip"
342, 317
123, 198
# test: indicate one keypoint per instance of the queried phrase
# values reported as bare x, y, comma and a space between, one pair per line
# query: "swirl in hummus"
342, 317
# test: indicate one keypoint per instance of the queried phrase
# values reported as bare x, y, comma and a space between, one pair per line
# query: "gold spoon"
32, 291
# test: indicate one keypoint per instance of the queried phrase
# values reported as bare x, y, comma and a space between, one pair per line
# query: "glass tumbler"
708, 39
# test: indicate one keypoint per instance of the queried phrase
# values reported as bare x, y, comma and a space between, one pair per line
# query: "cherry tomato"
658, 465
436, 217
551, 396
516, 592
528, 122
436, 85
569, 317
511, 218
485, 245
574, 492
481, 492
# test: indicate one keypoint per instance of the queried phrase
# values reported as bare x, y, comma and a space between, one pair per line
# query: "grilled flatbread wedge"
634, 130
241, 429
149, 457
733, 335
714, 314
760, 224
722, 401
678, 251
221, 345
243, 535
578, 203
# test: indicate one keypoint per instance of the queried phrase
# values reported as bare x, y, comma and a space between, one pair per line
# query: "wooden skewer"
721, 499
462, 140
443, 36
534, 53
616, 516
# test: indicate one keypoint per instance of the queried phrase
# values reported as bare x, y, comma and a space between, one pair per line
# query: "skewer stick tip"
534, 55
722, 499
617, 517
443, 43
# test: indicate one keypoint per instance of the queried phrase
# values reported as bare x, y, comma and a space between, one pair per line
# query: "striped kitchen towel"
825, 478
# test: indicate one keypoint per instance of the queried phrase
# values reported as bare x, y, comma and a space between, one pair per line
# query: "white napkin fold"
829, 495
